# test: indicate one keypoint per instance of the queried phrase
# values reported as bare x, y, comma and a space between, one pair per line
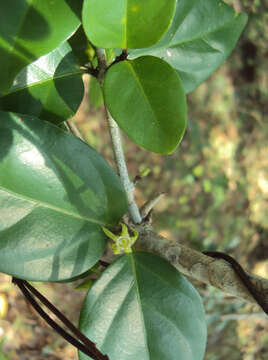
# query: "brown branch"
81, 342
243, 277
215, 272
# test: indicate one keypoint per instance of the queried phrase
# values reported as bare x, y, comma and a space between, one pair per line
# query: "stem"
196, 265
102, 65
122, 169
117, 147
150, 204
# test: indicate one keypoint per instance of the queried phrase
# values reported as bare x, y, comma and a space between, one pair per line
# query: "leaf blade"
126, 23
138, 304
29, 30
146, 99
50, 203
50, 88
95, 93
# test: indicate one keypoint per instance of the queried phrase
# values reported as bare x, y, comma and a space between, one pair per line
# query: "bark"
194, 264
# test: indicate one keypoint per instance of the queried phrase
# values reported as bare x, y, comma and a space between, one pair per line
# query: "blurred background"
216, 186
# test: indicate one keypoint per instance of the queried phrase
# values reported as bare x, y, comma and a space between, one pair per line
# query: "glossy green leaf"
30, 29
95, 93
55, 194
201, 37
143, 308
146, 98
51, 88
126, 23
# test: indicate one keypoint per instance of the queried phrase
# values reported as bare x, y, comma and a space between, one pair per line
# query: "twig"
85, 345
150, 204
117, 148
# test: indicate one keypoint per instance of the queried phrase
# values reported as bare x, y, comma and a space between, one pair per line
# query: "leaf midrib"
51, 207
133, 268
130, 66
125, 25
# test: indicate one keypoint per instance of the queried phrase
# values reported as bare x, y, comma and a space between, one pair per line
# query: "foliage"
43, 87
56, 192
148, 92
144, 292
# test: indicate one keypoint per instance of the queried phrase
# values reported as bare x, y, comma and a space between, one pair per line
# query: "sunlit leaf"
55, 194
30, 29
146, 98
126, 23
51, 88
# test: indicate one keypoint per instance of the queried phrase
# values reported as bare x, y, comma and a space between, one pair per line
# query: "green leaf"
55, 194
126, 23
143, 308
95, 93
85, 285
147, 100
30, 29
81, 47
51, 88
201, 37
